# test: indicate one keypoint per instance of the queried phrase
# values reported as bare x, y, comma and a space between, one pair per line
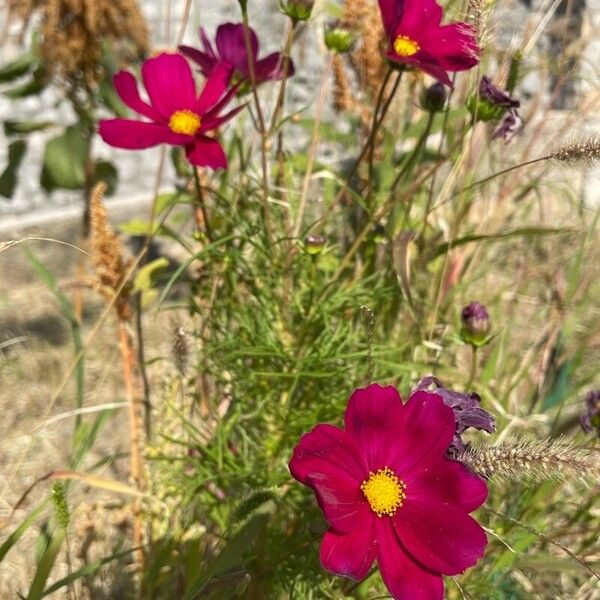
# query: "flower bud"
338, 39
297, 10
314, 244
433, 98
476, 324
590, 419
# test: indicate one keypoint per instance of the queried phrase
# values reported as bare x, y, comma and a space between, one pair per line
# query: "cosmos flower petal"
390, 13
371, 419
403, 577
454, 46
439, 536
231, 44
214, 88
206, 43
211, 123
447, 482
137, 135
418, 16
206, 152
126, 86
202, 59
349, 554
422, 62
169, 83
271, 68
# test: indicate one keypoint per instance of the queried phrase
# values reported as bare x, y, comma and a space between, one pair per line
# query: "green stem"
200, 193
473, 369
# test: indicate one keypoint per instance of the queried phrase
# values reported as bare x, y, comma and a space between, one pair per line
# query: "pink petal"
446, 482
203, 60
271, 68
372, 418
327, 460
427, 65
231, 45
350, 554
206, 43
390, 14
211, 123
439, 536
206, 152
136, 135
126, 86
169, 82
423, 433
214, 87
454, 46
417, 16
404, 578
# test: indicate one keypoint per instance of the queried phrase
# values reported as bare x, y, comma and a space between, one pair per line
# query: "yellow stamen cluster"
384, 491
185, 122
405, 46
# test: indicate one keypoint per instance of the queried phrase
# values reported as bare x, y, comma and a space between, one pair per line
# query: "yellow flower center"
185, 122
384, 491
404, 46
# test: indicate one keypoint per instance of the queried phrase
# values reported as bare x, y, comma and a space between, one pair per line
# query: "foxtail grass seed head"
59, 501
590, 419
533, 460
584, 152
180, 348
433, 98
476, 324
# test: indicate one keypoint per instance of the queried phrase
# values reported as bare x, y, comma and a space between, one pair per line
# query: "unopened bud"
433, 98
338, 39
476, 324
314, 244
297, 10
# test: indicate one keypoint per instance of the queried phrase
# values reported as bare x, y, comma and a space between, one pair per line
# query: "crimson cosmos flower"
389, 493
177, 114
417, 39
231, 49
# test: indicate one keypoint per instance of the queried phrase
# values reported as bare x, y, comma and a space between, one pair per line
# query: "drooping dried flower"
533, 460
590, 419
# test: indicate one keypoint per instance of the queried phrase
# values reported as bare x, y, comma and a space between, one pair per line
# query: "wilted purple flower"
467, 411
231, 49
590, 419
496, 96
476, 323
501, 103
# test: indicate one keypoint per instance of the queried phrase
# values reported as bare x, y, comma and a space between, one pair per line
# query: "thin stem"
388, 74
209, 233
473, 369
286, 67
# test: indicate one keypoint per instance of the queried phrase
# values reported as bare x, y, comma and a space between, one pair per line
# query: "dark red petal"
372, 418
214, 88
418, 16
350, 554
203, 60
169, 82
271, 68
206, 152
390, 14
137, 135
126, 87
428, 66
328, 449
404, 578
423, 433
206, 43
446, 482
208, 124
453, 46
440, 537
231, 45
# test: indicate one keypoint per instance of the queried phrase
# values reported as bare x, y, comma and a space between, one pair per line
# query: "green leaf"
146, 280
17, 68
165, 201
16, 535
36, 591
64, 160
25, 127
138, 227
8, 179
32, 87
106, 172
111, 99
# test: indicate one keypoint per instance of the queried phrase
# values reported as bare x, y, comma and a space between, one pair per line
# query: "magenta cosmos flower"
417, 39
176, 113
389, 493
231, 49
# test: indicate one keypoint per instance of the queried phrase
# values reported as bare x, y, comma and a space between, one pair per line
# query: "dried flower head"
180, 347
74, 31
537, 460
107, 256
579, 153
590, 419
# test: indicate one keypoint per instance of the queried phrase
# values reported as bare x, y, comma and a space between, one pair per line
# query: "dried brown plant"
73, 33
